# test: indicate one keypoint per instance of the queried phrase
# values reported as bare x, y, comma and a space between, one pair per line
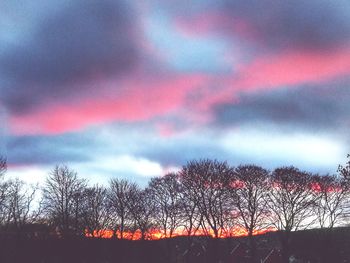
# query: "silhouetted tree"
344, 173
141, 207
190, 214
344, 170
205, 195
249, 190
332, 191
3, 166
63, 200
20, 205
204, 181
3, 192
96, 214
166, 194
291, 200
120, 193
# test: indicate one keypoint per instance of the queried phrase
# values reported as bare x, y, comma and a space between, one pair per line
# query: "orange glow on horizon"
156, 234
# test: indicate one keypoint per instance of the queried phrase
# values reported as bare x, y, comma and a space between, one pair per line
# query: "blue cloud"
64, 47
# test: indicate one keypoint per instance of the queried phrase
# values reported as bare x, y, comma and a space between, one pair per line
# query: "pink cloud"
215, 22
279, 71
293, 68
190, 96
288, 67
140, 99
166, 129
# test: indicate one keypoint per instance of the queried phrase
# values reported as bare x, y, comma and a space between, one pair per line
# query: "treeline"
206, 197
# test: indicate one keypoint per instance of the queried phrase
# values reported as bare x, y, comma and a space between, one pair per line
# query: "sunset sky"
134, 89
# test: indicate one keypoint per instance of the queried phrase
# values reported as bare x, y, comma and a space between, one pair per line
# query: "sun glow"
156, 234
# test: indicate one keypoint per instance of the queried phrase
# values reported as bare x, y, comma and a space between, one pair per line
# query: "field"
306, 246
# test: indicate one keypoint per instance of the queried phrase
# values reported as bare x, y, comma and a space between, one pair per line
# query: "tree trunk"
122, 228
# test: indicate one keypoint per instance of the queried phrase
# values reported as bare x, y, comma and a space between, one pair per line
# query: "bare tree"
63, 200
3, 166
249, 190
20, 205
291, 200
204, 181
190, 214
344, 173
332, 191
140, 205
3, 192
96, 215
330, 208
119, 194
165, 192
344, 170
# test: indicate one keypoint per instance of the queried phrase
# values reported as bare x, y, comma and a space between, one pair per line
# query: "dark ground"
306, 246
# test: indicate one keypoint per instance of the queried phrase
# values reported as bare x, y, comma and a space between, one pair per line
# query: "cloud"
49, 150
271, 148
183, 52
123, 165
68, 47
29, 174
107, 89
68, 72
311, 107
314, 24
274, 25
103, 144
137, 100
137, 151
292, 68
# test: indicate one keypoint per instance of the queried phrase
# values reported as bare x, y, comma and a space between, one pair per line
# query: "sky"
135, 89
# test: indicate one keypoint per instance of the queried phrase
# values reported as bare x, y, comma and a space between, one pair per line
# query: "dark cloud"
309, 107
42, 150
87, 150
120, 140
274, 24
179, 152
308, 24
68, 47
174, 150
